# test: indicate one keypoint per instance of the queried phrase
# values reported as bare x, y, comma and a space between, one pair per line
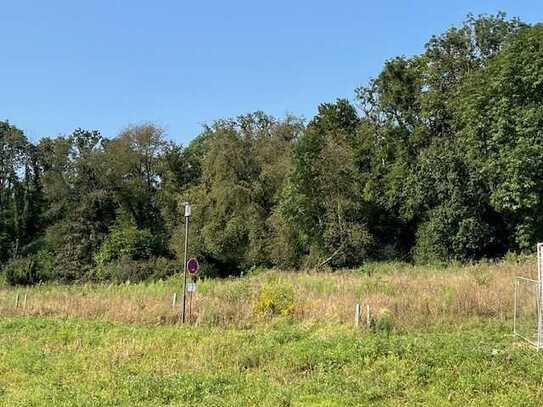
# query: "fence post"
368, 316
357, 315
17, 301
174, 300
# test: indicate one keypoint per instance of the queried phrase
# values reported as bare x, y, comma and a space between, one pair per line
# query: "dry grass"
416, 296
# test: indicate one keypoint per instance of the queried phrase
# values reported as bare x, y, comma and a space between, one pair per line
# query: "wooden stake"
17, 301
368, 316
174, 300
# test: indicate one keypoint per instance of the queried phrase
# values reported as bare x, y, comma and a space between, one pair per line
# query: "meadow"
438, 336
416, 296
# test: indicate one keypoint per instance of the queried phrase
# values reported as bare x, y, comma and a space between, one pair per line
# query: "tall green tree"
501, 117
21, 198
81, 206
410, 131
323, 199
242, 170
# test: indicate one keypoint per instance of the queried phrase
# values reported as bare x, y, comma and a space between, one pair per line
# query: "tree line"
438, 158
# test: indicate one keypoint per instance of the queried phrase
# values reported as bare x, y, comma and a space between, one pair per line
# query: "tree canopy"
437, 158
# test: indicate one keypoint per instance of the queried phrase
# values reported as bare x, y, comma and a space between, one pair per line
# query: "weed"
383, 322
275, 298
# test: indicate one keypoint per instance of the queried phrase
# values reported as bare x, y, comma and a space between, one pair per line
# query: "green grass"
449, 341
72, 362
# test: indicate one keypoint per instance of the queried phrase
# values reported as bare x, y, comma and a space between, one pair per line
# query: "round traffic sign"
192, 265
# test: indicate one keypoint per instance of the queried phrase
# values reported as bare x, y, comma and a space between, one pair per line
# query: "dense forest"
438, 158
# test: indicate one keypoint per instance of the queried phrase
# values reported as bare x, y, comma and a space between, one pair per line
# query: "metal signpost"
187, 216
192, 268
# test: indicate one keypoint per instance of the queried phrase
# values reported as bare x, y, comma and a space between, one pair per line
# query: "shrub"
235, 291
253, 271
30, 269
367, 269
45, 263
274, 298
125, 269
20, 271
451, 234
518, 258
384, 321
125, 240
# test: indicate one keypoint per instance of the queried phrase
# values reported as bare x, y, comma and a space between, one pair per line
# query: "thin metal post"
185, 267
190, 307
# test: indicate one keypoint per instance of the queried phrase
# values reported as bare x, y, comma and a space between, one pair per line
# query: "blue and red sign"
192, 265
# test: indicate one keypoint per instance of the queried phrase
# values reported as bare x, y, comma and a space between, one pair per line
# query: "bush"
45, 262
275, 298
451, 234
30, 269
126, 269
253, 271
384, 321
20, 271
125, 240
367, 269
518, 258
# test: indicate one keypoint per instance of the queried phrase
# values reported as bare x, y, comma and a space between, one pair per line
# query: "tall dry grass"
416, 296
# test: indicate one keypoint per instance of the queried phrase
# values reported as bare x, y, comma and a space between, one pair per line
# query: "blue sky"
104, 64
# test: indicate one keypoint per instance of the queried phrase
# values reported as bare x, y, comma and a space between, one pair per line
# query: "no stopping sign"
192, 265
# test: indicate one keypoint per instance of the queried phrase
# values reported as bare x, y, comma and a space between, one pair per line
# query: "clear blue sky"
104, 64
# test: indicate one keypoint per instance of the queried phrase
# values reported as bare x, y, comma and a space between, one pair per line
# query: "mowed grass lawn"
74, 362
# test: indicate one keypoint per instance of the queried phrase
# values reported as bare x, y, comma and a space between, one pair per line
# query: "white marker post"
187, 216
357, 315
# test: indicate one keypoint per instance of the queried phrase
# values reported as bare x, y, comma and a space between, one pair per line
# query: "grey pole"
187, 215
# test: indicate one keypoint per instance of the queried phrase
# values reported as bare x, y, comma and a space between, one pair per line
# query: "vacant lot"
417, 297
273, 339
